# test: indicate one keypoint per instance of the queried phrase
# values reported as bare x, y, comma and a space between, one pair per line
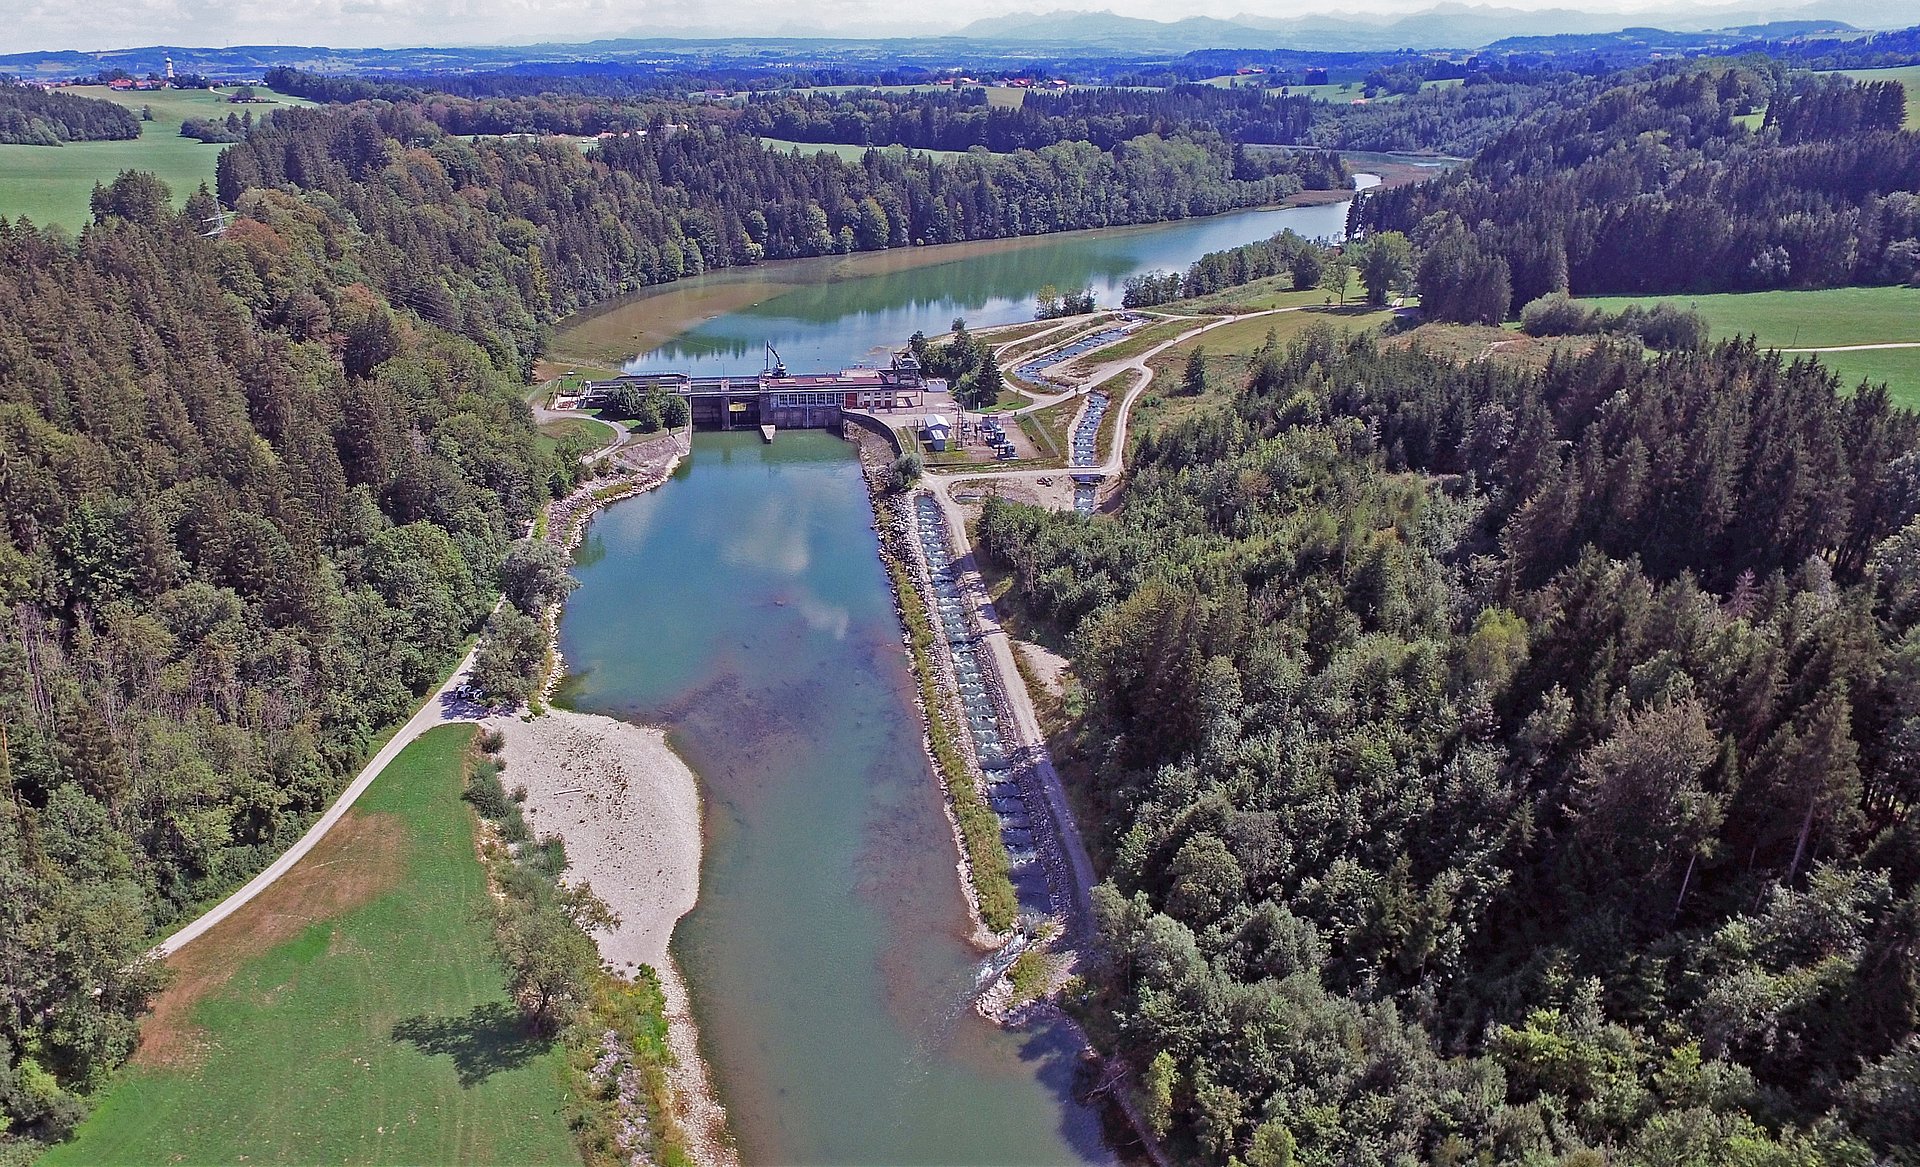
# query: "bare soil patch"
1466, 343
360, 858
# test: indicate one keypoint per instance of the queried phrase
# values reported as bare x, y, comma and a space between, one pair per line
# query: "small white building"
938, 430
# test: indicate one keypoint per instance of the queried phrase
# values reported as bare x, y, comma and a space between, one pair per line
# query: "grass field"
1907, 75
1230, 349
1047, 428
1010, 399
1131, 345
596, 432
1818, 319
850, 153
1340, 92
353, 1013
1466, 343
52, 184
1261, 295
999, 334
1243, 338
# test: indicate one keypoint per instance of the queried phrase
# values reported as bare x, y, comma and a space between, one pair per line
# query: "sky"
34, 25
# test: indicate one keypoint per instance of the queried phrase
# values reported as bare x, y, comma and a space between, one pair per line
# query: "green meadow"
1244, 338
1339, 92
1907, 75
354, 1013
1820, 318
850, 153
52, 184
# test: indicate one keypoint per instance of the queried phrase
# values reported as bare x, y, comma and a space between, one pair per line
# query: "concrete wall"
866, 421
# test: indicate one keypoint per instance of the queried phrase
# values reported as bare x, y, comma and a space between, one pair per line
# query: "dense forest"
31, 116
961, 118
252, 512
1455, 120
1458, 120
1506, 766
1653, 186
232, 128
259, 488
492, 237
1378, 661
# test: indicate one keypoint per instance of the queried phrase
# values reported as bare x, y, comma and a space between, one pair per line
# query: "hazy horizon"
55, 25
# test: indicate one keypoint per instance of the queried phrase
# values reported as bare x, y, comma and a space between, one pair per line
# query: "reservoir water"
742, 605
828, 313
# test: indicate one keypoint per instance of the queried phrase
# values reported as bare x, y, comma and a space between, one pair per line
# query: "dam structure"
775, 397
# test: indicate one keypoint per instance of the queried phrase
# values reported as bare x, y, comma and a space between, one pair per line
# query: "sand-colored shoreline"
628, 809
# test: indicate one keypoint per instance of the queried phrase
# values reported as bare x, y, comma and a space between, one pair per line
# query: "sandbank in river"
629, 811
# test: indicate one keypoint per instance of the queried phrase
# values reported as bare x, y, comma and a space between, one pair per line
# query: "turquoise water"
743, 606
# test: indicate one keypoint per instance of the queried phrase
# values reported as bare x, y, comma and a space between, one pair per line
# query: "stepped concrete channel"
1085, 452
1010, 777
1032, 370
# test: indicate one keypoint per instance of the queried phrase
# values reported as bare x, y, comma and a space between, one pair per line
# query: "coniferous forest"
34, 117
1650, 184
1503, 766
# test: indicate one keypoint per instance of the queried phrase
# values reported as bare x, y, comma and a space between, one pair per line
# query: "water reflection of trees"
834, 317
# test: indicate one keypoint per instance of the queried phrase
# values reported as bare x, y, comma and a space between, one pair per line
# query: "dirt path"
942, 483
1855, 348
444, 707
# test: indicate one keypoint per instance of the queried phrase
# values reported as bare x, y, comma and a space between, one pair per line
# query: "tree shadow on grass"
486, 1040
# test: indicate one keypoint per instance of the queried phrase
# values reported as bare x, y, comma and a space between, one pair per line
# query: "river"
743, 606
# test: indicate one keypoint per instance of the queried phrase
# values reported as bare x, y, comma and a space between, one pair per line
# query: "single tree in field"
988, 383
1386, 267
1336, 275
549, 961
1194, 382
1308, 267
674, 411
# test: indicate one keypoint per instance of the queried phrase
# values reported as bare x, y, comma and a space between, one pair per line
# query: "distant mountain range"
1444, 26
1008, 41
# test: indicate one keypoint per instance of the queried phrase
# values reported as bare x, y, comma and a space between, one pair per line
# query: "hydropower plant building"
774, 397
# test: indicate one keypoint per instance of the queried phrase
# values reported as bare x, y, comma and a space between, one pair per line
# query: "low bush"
1664, 326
